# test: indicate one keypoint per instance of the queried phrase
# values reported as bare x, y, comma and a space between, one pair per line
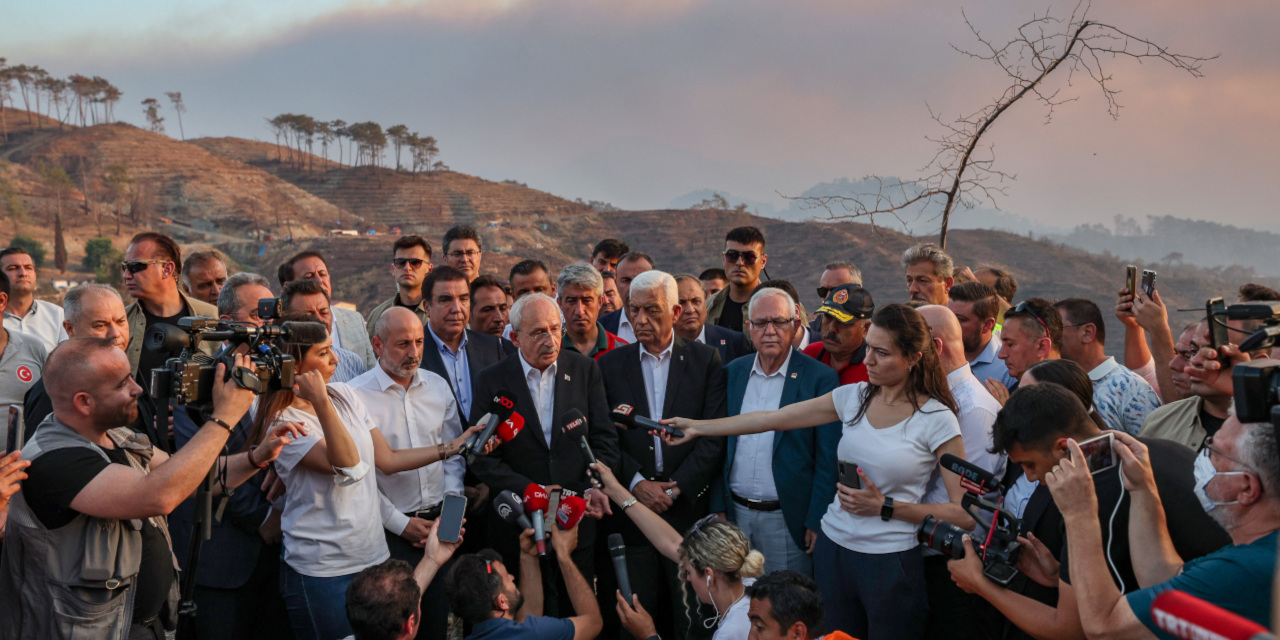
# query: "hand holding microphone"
501, 407
627, 416
564, 537
575, 426
535, 506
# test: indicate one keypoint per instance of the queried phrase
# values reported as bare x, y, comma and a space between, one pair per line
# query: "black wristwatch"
886, 512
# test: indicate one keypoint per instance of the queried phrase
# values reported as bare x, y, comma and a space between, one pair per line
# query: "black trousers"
435, 601
954, 614
255, 610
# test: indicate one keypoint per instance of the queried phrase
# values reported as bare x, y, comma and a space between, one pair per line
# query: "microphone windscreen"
502, 404
304, 333
617, 548
508, 506
510, 427
570, 513
573, 420
1183, 615
535, 498
624, 414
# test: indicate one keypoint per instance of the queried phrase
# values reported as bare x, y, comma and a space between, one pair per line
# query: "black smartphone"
14, 440
1149, 283
1099, 452
849, 475
1215, 311
1131, 280
455, 507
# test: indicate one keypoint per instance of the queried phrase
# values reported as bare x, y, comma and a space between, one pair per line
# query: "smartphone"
1215, 311
1131, 280
14, 440
1099, 453
455, 507
849, 475
553, 503
1149, 282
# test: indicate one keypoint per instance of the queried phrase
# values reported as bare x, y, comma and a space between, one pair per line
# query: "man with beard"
489, 306
611, 299
37, 318
204, 273
1202, 410
692, 323
580, 287
413, 408
976, 307
846, 316
744, 260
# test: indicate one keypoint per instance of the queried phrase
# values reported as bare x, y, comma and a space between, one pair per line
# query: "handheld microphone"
535, 506
511, 427
1188, 617
570, 513
625, 414
575, 426
618, 551
501, 406
967, 470
511, 509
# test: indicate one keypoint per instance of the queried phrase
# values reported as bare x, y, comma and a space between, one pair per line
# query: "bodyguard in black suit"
546, 382
688, 379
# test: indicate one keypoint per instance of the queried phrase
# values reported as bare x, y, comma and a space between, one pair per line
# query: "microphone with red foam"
626, 415
1185, 616
502, 407
570, 513
575, 426
535, 506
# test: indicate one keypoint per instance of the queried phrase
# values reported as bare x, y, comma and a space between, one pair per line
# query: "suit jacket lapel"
737, 389
635, 377
532, 423
675, 373
563, 382
790, 389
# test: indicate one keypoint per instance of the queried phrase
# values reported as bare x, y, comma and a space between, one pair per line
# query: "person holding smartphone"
332, 522
867, 561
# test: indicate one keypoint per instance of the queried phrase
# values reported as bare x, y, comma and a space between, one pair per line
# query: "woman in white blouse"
331, 523
867, 561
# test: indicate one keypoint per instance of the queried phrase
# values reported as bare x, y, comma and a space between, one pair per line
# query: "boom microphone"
511, 509
575, 426
501, 406
1185, 616
969, 471
570, 513
535, 506
618, 551
625, 414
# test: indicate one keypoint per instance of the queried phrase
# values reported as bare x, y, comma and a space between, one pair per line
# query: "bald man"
412, 407
89, 477
950, 608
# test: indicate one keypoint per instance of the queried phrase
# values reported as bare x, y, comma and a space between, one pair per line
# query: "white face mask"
1205, 473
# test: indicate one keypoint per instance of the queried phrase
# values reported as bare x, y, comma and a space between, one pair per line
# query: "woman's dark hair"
911, 335
272, 403
1071, 376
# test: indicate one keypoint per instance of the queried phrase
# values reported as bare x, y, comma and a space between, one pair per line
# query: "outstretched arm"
800, 415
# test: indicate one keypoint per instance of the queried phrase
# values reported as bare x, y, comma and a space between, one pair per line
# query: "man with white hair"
238, 299
580, 289
776, 486
930, 273
662, 376
546, 382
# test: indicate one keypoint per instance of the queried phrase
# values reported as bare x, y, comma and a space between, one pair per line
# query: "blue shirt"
988, 364
350, 365
1237, 578
533, 628
455, 364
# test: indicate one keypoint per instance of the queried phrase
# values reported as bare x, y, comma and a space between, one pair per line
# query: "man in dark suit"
546, 382
453, 351
692, 322
630, 266
776, 486
662, 376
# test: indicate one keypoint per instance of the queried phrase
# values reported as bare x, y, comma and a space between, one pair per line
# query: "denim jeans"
317, 606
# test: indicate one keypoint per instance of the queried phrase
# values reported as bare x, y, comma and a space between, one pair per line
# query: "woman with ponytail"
867, 561
714, 557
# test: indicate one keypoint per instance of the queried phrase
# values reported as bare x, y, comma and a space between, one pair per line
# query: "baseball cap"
848, 303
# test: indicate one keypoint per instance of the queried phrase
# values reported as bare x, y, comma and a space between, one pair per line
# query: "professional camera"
1256, 383
1000, 549
189, 378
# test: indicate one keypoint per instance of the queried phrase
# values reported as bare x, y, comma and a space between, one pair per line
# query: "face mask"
1205, 473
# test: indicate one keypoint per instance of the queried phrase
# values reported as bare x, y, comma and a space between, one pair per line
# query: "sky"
639, 103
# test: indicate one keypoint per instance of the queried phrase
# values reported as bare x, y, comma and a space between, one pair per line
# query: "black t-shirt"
731, 314
152, 359
54, 480
411, 307
1194, 533
1210, 422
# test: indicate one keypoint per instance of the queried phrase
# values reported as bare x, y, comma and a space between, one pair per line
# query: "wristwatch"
886, 512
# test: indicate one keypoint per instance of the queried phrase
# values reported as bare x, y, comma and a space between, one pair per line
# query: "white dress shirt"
625, 330
43, 321
752, 474
655, 370
424, 415
542, 386
977, 417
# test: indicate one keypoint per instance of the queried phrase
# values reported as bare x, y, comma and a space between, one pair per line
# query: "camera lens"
941, 536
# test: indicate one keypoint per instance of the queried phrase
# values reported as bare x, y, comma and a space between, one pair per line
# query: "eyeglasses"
748, 257
1186, 354
139, 265
1025, 307
1208, 447
697, 526
470, 253
823, 291
779, 324
412, 262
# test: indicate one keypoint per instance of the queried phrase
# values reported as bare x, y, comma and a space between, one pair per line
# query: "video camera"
1000, 549
1256, 383
189, 378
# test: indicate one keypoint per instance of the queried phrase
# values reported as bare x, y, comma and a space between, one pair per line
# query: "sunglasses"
823, 291
412, 262
139, 265
748, 257
1023, 307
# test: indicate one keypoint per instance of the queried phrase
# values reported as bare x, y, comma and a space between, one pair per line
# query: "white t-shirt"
736, 625
898, 459
330, 530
